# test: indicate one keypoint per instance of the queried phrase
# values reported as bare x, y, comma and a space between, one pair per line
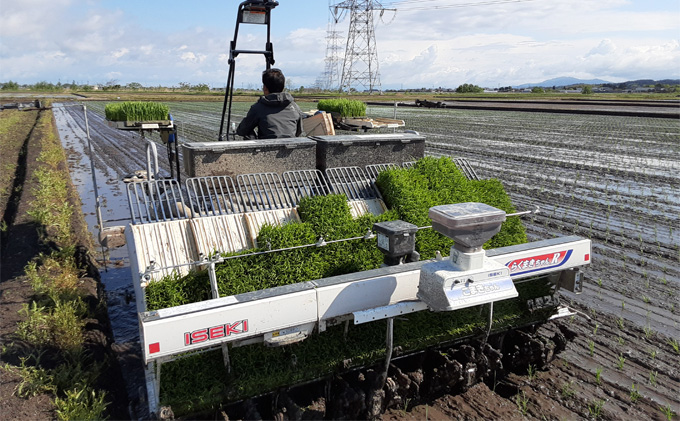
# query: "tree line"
113, 85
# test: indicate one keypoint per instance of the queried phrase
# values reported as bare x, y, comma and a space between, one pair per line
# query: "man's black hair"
274, 80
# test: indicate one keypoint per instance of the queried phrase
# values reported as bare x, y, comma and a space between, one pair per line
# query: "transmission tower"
360, 67
330, 80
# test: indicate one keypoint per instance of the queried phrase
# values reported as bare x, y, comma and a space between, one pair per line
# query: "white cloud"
605, 47
189, 56
503, 44
146, 49
120, 52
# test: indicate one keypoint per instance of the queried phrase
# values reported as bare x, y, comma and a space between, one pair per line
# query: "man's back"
274, 115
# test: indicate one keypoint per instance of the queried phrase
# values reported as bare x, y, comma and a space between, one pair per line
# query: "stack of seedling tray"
136, 115
350, 114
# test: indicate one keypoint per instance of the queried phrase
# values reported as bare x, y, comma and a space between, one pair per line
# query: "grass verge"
49, 342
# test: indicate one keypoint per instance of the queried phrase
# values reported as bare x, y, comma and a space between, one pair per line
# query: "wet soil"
569, 387
613, 179
656, 109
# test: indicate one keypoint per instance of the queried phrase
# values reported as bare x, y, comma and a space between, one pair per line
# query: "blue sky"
426, 43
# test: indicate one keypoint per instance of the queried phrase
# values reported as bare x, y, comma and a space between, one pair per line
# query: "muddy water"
115, 274
109, 169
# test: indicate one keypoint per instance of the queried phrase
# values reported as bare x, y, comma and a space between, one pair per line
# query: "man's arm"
247, 126
298, 129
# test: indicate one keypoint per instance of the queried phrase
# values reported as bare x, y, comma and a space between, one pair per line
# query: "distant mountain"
562, 81
647, 82
570, 81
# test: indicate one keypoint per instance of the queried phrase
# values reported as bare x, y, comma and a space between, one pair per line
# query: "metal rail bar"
466, 168
155, 201
353, 182
262, 191
374, 169
213, 195
304, 183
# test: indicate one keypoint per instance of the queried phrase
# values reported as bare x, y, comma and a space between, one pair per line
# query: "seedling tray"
354, 123
141, 125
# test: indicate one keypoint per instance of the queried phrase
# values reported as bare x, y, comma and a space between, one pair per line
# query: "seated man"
275, 114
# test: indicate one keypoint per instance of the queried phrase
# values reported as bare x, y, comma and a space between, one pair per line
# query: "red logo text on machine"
538, 262
216, 332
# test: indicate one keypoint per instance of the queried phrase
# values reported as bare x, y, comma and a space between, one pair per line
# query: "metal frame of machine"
257, 12
362, 297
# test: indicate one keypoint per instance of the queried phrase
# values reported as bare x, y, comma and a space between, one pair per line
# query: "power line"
400, 4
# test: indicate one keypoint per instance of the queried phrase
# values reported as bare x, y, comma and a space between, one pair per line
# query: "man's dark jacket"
275, 115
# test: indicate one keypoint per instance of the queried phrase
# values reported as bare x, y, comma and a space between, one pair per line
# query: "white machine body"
299, 309
445, 286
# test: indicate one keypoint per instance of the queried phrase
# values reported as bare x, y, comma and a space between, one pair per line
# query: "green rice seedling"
522, 403
567, 390
431, 182
674, 343
344, 107
652, 377
620, 323
136, 111
591, 347
531, 372
620, 340
595, 408
634, 393
598, 375
405, 408
621, 361
667, 411
597, 325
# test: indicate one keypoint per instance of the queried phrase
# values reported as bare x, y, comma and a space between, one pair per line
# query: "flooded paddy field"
613, 179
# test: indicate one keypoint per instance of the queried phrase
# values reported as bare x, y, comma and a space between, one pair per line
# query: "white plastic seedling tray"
141, 125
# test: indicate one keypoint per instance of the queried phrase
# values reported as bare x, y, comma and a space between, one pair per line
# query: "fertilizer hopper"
468, 277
